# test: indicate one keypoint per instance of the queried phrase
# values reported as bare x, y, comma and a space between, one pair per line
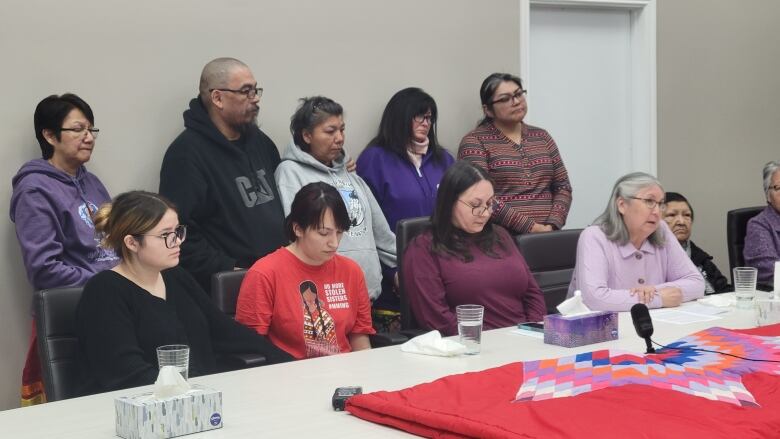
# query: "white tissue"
573, 306
170, 383
431, 343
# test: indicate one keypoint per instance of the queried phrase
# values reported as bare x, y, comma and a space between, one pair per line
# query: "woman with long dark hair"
465, 259
403, 165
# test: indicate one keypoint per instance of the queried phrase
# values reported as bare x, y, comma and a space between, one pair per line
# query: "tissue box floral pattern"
143, 416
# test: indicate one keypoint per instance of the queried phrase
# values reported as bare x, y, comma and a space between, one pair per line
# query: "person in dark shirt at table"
465, 259
147, 301
678, 214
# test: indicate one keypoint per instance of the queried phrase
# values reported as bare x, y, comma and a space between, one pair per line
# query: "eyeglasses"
82, 131
491, 205
651, 203
250, 93
420, 118
180, 234
518, 95
775, 188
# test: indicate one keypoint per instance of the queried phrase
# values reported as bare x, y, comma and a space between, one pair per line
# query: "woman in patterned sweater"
531, 182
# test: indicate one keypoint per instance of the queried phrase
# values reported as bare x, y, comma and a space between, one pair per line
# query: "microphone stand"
650, 348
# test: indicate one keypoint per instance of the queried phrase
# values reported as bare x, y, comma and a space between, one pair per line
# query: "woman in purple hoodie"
403, 166
52, 204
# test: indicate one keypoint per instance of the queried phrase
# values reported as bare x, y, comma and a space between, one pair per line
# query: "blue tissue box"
143, 416
576, 331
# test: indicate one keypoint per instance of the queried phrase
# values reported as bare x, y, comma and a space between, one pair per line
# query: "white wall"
718, 107
137, 63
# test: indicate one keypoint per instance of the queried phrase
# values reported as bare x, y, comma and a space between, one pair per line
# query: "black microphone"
643, 324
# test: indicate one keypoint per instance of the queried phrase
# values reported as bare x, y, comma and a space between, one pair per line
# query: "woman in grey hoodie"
317, 154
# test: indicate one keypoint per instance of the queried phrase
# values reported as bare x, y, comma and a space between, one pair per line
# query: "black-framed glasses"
82, 131
651, 203
420, 118
491, 205
249, 92
179, 233
775, 188
518, 95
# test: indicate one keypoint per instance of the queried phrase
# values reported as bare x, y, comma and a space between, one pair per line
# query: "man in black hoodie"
219, 172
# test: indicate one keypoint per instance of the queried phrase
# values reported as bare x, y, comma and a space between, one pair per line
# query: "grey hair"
216, 74
769, 171
611, 220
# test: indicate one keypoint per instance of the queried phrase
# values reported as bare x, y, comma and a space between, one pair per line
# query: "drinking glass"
177, 355
470, 326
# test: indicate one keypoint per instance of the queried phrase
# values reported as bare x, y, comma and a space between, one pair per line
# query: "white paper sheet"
679, 317
699, 308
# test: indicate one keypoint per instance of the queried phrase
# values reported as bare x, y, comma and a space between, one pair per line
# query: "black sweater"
703, 261
225, 193
120, 325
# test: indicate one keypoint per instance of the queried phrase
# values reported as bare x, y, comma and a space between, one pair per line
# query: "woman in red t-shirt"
306, 298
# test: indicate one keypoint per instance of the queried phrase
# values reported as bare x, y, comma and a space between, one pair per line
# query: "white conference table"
293, 400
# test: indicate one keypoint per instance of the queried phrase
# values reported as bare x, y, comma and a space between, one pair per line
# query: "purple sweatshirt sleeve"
760, 249
369, 169
424, 287
40, 237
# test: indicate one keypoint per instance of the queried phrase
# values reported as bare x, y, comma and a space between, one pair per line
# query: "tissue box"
576, 331
143, 416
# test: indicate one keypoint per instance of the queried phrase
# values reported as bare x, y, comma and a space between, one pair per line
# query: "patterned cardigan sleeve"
561, 189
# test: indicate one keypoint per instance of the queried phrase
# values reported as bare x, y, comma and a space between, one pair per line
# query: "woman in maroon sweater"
464, 259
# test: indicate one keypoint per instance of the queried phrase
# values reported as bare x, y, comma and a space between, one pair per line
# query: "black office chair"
406, 229
736, 227
225, 286
551, 257
58, 345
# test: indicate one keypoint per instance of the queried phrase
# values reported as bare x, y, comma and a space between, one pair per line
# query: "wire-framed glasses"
518, 95
249, 92
491, 205
651, 203
82, 131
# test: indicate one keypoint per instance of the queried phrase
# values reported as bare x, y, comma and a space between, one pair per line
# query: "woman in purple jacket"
404, 163
464, 259
52, 204
762, 239
403, 166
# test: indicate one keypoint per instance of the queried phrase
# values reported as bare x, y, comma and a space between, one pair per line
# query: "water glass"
177, 355
767, 310
470, 326
745, 286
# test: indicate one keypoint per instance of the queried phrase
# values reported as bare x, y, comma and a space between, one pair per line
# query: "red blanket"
479, 404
